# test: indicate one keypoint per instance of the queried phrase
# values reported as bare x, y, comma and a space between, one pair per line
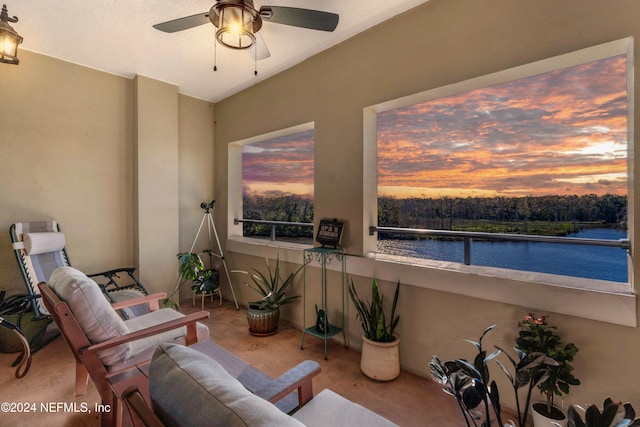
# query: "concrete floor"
409, 400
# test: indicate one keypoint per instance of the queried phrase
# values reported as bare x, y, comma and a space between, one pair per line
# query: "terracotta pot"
263, 322
380, 361
538, 410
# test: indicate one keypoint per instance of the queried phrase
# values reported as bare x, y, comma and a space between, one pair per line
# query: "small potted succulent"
536, 335
380, 359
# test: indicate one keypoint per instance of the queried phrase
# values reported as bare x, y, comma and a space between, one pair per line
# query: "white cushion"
42, 243
330, 409
96, 317
189, 389
155, 318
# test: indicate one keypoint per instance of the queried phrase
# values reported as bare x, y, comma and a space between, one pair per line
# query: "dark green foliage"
536, 335
280, 207
545, 215
612, 415
371, 314
467, 382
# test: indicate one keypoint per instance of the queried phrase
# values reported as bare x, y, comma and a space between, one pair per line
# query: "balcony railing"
274, 224
469, 236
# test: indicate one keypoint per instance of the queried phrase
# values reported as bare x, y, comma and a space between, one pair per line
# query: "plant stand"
324, 256
204, 295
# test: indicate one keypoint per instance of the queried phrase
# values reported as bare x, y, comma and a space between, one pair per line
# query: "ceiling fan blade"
183, 23
305, 18
259, 50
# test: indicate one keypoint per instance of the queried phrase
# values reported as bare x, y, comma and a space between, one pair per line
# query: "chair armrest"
139, 408
150, 300
299, 377
109, 273
188, 320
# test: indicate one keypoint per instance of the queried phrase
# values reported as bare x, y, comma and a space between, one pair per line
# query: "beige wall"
196, 172
439, 43
67, 154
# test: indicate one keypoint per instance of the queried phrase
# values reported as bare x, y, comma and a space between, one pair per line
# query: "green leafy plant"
536, 335
612, 415
470, 384
529, 371
192, 268
371, 314
270, 286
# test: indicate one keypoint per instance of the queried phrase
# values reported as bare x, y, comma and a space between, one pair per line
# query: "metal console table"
324, 256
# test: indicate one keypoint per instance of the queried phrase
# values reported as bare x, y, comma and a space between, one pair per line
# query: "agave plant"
612, 415
371, 314
270, 286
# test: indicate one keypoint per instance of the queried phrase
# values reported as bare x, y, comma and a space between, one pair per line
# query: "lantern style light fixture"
9, 38
237, 22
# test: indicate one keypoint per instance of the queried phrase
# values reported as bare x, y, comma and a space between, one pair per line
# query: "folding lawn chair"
40, 248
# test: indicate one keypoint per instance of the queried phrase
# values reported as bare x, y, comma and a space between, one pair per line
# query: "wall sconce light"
9, 38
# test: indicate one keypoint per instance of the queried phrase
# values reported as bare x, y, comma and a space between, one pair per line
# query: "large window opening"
541, 150
277, 187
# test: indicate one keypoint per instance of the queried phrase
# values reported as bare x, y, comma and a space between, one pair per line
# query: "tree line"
564, 212
551, 214
279, 207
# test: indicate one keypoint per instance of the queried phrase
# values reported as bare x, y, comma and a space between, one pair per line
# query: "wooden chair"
289, 392
128, 343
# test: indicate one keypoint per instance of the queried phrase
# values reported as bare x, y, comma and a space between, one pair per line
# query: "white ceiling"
116, 36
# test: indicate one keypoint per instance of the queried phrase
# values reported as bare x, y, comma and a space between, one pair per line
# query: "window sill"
599, 300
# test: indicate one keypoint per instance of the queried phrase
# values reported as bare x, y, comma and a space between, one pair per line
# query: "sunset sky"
562, 132
279, 165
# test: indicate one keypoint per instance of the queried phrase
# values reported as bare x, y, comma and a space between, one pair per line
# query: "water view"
568, 260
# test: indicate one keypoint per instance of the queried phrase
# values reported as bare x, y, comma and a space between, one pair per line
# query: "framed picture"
330, 232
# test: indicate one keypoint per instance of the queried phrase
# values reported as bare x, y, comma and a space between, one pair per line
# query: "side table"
324, 256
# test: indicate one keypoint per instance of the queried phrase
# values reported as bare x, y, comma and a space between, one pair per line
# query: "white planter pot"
380, 361
540, 420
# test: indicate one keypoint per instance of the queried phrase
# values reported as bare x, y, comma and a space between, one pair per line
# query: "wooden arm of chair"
151, 300
139, 408
299, 377
189, 321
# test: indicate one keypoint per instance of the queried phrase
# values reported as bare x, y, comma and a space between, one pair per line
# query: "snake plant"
371, 314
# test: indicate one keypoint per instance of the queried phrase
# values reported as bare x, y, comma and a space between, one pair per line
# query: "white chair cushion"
42, 243
96, 317
154, 318
330, 409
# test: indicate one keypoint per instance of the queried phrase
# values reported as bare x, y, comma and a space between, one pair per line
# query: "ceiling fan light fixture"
9, 38
237, 22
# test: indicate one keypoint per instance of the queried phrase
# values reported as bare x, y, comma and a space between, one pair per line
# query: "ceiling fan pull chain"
215, 55
255, 60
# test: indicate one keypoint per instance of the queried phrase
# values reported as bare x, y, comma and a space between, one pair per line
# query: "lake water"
568, 260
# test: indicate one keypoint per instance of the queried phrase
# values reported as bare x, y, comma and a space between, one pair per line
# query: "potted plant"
191, 267
612, 415
380, 359
536, 335
470, 384
264, 315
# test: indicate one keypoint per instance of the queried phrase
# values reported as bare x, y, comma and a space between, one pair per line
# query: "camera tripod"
208, 218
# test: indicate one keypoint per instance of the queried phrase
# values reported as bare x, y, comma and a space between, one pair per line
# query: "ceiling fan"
238, 23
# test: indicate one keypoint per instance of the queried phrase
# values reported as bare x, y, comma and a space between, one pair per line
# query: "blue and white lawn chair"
40, 248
